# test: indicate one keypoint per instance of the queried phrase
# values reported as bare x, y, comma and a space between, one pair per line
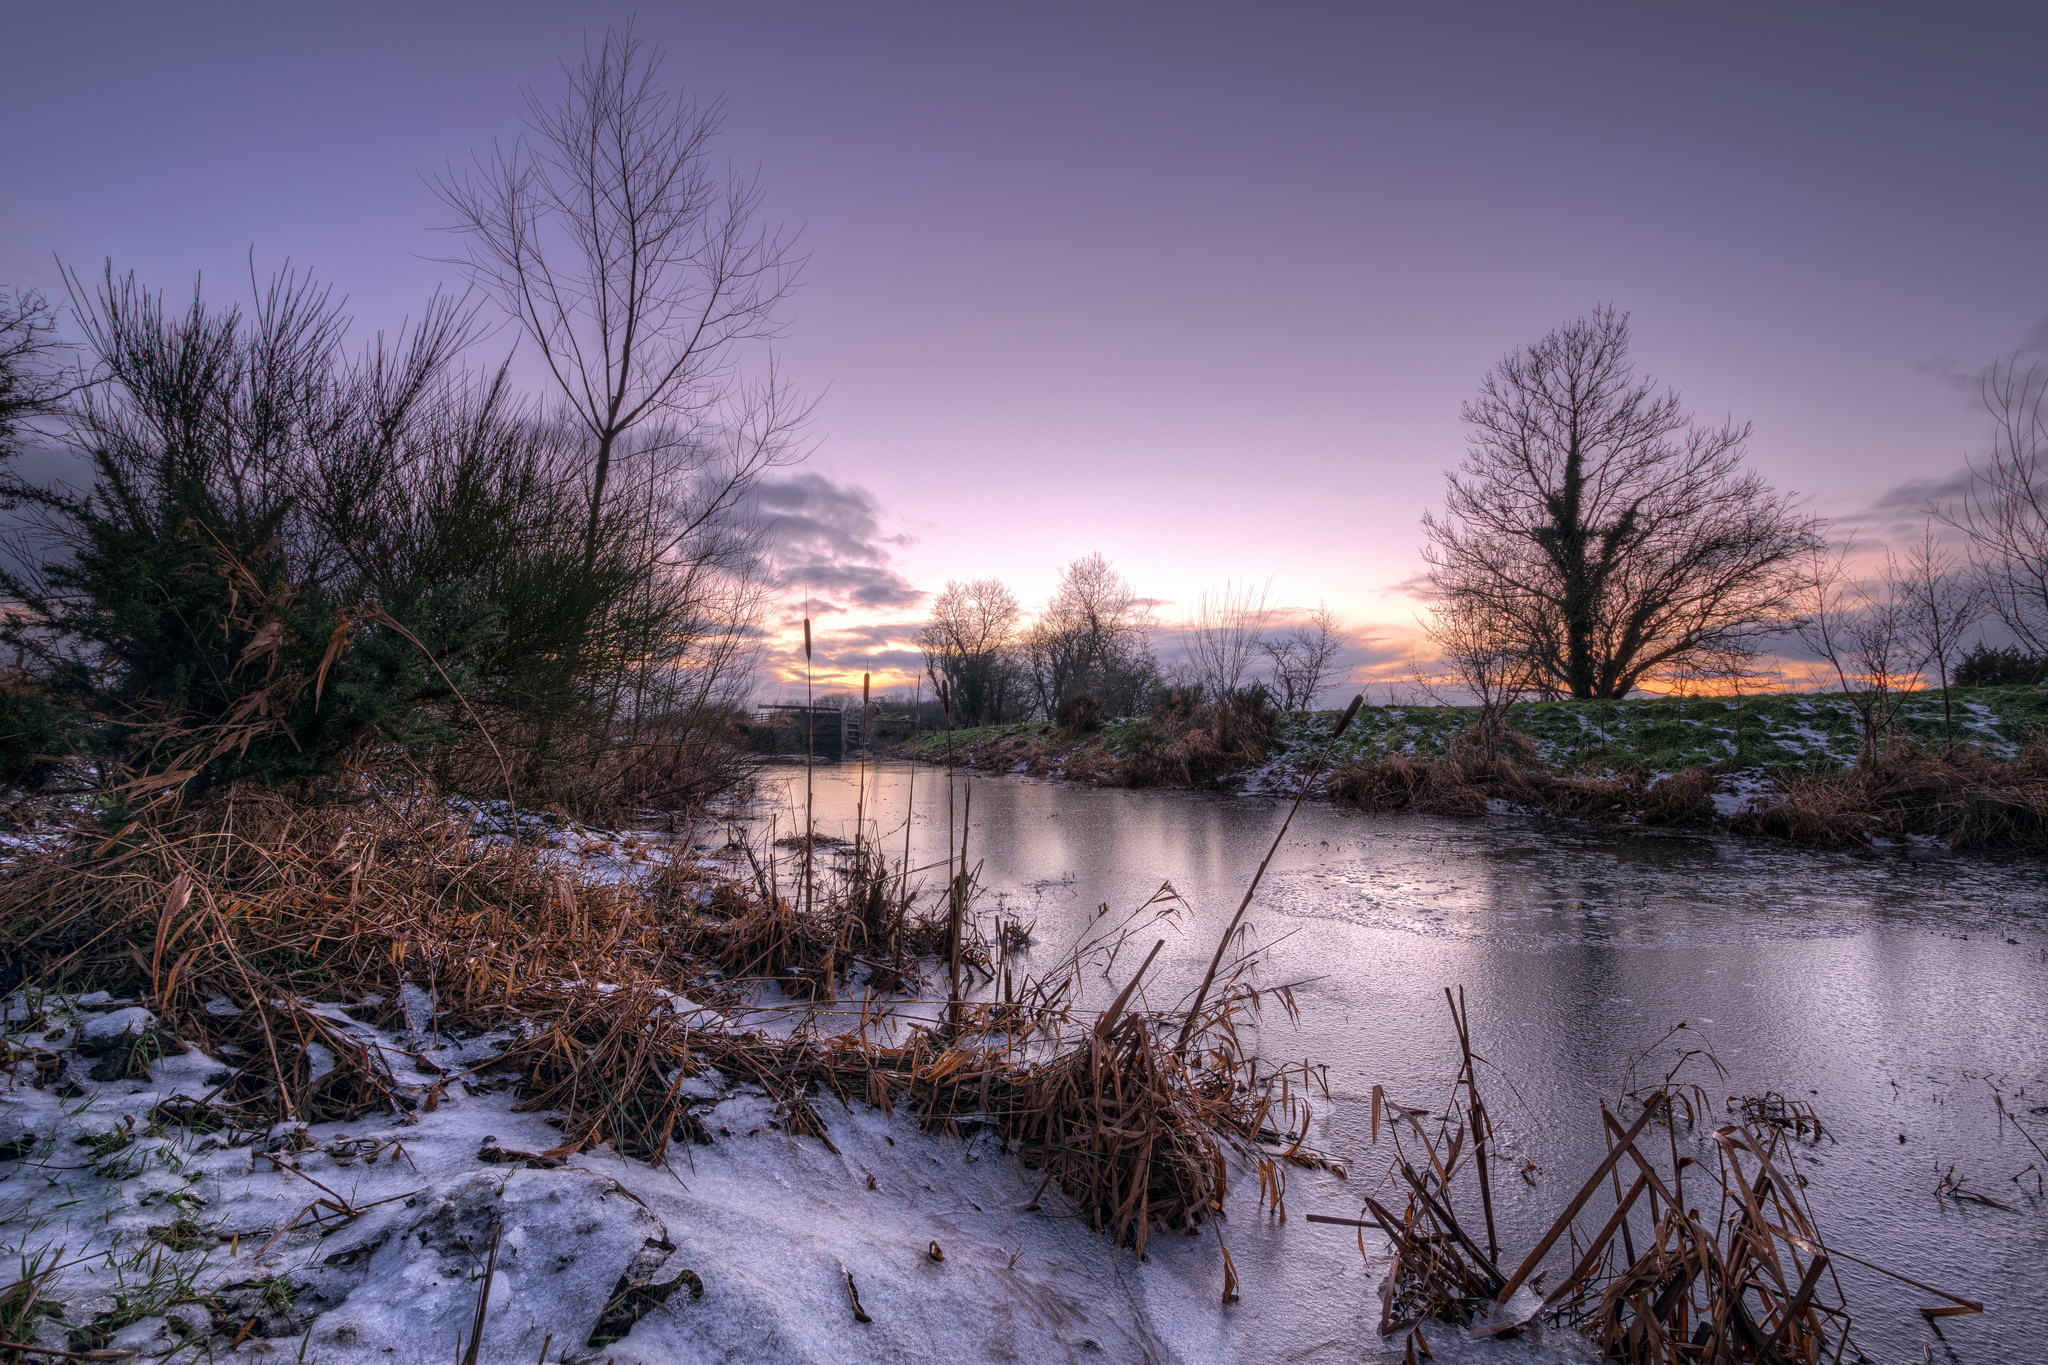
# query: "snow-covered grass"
1806, 731
367, 1241
319, 1153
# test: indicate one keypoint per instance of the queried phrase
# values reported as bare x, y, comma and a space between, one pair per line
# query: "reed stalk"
1309, 774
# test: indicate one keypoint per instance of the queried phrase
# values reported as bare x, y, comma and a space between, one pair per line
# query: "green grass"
1806, 730
1800, 730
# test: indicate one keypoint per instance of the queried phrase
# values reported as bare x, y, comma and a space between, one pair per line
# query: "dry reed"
1653, 1282
258, 926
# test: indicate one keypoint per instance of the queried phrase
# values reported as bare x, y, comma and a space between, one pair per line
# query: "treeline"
1091, 653
288, 560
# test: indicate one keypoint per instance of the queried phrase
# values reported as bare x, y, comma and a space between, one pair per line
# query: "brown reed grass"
1753, 1282
249, 925
1956, 795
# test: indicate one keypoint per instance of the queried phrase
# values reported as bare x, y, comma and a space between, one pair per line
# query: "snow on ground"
366, 1242
176, 1242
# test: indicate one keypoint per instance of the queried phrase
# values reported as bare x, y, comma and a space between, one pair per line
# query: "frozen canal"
1892, 992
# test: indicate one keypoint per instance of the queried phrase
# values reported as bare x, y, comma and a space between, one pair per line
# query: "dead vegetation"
1482, 769
264, 929
1644, 1274
1955, 795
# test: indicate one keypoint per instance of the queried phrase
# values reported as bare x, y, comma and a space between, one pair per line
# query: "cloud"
1900, 513
2037, 340
845, 649
1914, 496
1969, 380
826, 538
1416, 586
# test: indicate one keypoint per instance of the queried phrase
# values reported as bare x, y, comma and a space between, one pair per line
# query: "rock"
191, 1318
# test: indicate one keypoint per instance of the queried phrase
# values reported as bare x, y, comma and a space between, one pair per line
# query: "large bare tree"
637, 267
970, 641
1602, 527
1093, 640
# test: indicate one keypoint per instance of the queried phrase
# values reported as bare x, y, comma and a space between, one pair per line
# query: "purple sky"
1200, 287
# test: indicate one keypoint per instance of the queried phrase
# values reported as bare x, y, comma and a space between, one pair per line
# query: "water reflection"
1892, 991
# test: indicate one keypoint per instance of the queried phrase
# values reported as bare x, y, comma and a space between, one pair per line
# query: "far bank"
1789, 766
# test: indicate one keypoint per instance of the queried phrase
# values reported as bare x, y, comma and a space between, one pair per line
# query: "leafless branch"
1600, 526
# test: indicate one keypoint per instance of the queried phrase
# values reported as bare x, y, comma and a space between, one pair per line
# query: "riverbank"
369, 1079
1780, 766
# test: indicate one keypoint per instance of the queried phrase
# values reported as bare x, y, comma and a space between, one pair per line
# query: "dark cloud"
1969, 379
826, 538
1900, 513
1913, 497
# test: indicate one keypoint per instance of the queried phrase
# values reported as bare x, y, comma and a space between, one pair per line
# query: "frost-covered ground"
368, 1241
1655, 735
148, 1230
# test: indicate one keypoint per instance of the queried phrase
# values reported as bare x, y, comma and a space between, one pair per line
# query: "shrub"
1988, 667
287, 554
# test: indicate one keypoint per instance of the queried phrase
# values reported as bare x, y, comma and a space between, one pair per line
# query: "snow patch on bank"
367, 1241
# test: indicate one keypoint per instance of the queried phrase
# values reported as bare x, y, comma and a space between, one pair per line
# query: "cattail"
1350, 713
807, 639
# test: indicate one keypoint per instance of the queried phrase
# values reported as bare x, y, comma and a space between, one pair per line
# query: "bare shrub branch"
1223, 637
2004, 516
1941, 604
638, 270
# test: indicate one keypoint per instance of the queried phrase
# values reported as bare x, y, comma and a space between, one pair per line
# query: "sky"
1201, 287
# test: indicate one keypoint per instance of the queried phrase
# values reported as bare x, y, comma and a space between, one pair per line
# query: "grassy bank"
1781, 765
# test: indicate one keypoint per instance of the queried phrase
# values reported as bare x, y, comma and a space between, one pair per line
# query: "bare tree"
1863, 634
1222, 638
970, 641
636, 267
1094, 640
1304, 658
1600, 526
2004, 516
1941, 605
1489, 662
